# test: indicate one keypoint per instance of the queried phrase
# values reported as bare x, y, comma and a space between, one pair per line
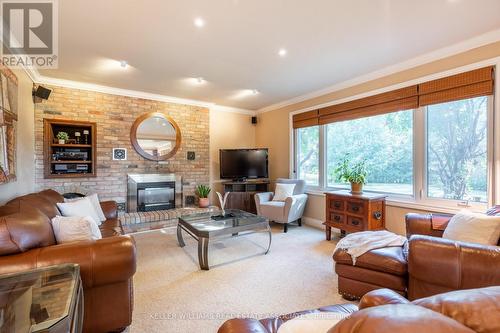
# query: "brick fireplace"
114, 116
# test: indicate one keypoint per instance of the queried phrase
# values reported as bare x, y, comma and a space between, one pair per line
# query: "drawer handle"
336, 217
377, 215
336, 204
355, 222
355, 208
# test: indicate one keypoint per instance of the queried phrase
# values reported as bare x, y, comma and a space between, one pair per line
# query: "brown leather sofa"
383, 310
429, 264
106, 265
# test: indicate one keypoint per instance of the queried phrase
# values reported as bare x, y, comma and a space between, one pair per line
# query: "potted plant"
62, 137
202, 191
354, 173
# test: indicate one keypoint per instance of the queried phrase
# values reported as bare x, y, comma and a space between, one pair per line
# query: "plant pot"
356, 188
61, 142
204, 202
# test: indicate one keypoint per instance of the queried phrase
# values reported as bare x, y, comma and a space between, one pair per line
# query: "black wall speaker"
41, 92
254, 120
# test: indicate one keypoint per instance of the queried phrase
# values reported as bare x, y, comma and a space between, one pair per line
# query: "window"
457, 160
307, 162
437, 154
384, 141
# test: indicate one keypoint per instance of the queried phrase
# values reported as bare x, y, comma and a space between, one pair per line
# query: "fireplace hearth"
151, 192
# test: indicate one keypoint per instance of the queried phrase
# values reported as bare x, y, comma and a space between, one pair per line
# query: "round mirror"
155, 136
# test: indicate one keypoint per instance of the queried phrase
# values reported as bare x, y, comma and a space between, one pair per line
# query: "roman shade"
470, 84
475, 83
392, 101
305, 119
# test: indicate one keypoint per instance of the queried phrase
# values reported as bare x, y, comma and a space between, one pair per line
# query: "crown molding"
475, 42
40, 79
230, 109
118, 91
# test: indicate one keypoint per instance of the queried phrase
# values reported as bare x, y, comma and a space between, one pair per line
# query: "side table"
48, 299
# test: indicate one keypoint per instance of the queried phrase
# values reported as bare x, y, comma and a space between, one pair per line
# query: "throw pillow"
94, 199
319, 322
74, 229
473, 227
283, 191
79, 208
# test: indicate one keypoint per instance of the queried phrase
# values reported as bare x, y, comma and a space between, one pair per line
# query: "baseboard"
318, 224
312, 222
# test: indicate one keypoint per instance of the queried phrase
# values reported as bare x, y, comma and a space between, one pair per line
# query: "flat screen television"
240, 164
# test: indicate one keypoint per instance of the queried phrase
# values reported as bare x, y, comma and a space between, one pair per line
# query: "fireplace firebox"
150, 192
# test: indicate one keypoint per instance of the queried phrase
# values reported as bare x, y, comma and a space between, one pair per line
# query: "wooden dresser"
352, 212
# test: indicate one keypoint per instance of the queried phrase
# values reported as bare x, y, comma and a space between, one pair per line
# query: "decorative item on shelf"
354, 173
77, 137
202, 191
119, 154
86, 135
222, 201
62, 137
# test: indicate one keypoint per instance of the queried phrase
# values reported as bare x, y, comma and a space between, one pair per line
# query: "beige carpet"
173, 295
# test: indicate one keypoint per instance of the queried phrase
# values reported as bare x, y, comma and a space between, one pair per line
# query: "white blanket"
358, 243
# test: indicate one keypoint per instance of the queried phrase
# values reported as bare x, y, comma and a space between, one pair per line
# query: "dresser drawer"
337, 218
356, 207
355, 222
336, 204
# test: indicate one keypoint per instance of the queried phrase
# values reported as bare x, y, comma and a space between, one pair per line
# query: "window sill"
401, 203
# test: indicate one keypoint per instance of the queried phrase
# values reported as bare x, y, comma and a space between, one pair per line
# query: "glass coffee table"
206, 226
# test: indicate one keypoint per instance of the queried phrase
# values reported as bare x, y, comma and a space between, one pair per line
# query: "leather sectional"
106, 265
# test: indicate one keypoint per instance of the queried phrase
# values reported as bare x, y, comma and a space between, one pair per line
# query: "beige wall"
227, 131
273, 128
25, 142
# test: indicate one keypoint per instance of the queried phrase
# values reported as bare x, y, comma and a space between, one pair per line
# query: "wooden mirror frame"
137, 147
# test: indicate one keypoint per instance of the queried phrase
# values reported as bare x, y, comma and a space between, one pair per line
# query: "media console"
243, 192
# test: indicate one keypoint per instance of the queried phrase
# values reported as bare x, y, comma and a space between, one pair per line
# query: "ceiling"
327, 42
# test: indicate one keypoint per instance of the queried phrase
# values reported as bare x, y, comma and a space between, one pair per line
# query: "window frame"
419, 195
295, 155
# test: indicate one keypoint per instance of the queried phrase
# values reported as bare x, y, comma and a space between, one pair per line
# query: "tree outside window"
457, 150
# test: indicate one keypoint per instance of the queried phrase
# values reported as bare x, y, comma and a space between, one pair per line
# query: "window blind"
475, 83
305, 119
470, 84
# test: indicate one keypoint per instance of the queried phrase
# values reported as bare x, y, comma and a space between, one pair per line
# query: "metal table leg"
270, 238
180, 240
203, 253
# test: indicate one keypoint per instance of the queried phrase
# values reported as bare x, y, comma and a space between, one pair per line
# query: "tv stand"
243, 192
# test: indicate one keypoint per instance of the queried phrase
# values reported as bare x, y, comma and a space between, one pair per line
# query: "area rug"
172, 294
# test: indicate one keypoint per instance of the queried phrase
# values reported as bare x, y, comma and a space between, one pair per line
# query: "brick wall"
114, 116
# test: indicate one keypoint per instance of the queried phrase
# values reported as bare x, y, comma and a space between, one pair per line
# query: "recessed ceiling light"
282, 52
244, 93
199, 22
123, 64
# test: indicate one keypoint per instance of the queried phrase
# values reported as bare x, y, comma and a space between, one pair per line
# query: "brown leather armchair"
437, 265
106, 265
432, 265
383, 310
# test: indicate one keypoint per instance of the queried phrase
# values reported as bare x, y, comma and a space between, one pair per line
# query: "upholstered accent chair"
283, 212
